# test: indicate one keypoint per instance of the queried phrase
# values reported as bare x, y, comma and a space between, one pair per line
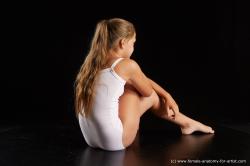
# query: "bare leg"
132, 106
187, 125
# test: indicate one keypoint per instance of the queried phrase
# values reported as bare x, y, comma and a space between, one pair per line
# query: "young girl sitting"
112, 92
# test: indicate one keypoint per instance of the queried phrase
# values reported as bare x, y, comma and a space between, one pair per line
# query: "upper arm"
138, 79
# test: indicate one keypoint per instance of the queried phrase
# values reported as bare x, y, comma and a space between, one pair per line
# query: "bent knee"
156, 101
129, 88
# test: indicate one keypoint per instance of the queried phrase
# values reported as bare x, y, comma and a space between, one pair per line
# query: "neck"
111, 56
114, 54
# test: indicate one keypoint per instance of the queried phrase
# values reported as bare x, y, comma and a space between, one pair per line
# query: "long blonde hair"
107, 34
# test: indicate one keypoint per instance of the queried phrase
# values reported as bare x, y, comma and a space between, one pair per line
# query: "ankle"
185, 124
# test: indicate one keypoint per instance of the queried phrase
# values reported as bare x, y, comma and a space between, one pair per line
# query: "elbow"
150, 89
148, 92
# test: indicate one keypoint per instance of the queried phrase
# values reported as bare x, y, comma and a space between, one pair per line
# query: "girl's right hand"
171, 106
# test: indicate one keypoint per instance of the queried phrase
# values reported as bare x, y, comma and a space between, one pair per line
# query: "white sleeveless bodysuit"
103, 128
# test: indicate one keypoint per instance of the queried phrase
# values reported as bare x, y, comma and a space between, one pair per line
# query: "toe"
212, 131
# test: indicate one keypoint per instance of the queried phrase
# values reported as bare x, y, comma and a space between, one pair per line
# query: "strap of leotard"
115, 63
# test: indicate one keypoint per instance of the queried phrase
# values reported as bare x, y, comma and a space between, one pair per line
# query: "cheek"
131, 49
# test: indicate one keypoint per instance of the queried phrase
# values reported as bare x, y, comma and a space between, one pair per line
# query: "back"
103, 127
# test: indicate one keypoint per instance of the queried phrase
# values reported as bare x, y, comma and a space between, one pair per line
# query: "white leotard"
103, 128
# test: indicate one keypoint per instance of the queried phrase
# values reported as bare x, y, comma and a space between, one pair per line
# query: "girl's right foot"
193, 126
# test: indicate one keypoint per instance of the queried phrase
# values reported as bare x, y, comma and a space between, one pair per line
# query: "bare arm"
168, 100
158, 89
135, 77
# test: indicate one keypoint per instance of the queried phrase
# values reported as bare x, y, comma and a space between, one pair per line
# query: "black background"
197, 51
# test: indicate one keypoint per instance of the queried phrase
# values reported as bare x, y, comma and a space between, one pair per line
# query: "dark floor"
59, 145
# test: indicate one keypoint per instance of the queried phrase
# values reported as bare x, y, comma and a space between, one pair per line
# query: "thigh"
132, 100
129, 115
131, 107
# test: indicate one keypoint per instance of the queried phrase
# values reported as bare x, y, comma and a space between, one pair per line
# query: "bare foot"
193, 126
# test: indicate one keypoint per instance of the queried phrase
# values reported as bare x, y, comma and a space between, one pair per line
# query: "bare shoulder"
129, 64
126, 67
130, 71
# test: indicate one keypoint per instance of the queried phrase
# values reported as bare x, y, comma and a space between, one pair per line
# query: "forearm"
158, 89
169, 101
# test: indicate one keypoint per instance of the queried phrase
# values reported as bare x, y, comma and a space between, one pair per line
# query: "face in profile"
129, 46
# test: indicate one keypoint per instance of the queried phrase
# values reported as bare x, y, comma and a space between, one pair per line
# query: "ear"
122, 43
